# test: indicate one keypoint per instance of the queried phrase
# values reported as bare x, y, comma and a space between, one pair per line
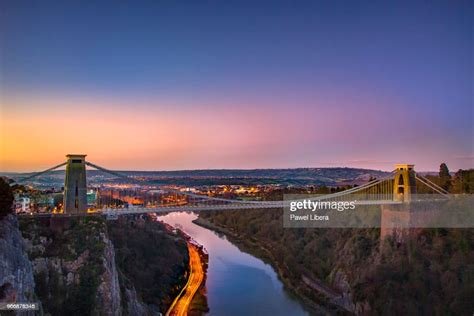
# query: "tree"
444, 176
463, 181
6, 198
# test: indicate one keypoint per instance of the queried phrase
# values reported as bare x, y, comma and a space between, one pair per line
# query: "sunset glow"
256, 97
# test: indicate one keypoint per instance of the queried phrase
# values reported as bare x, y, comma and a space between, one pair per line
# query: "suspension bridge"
398, 187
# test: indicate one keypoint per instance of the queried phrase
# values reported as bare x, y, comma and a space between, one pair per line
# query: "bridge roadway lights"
75, 185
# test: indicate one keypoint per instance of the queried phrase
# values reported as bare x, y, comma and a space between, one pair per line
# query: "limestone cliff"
83, 266
75, 268
152, 264
16, 273
135, 306
108, 293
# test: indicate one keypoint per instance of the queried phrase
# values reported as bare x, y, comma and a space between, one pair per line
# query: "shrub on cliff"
6, 198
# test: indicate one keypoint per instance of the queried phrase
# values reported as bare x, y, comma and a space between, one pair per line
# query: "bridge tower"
75, 187
396, 218
404, 184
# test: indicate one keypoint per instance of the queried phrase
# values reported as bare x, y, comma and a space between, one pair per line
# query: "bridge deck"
194, 208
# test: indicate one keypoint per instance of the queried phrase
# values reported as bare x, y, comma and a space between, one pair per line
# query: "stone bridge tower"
396, 219
75, 186
404, 184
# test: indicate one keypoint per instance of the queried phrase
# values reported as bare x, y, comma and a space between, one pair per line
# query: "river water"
237, 282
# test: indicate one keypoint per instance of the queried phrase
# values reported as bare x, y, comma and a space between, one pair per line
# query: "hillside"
297, 176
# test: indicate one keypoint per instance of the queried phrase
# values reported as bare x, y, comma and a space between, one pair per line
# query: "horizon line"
222, 169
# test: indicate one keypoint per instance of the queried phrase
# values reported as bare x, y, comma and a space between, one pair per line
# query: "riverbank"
253, 247
192, 300
182, 303
237, 283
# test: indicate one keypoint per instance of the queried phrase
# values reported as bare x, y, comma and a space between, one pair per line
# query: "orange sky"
38, 131
134, 137
156, 86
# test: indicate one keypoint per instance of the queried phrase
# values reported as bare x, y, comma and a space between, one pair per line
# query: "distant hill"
296, 176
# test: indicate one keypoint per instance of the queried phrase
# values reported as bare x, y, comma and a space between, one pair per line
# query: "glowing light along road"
196, 276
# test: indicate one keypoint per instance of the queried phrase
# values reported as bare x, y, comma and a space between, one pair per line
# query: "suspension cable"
359, 188
199, 196
432, 183
37, 174
432, 187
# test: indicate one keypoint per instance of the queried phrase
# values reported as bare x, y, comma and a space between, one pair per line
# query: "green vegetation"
432, 272
462, 182
150, 259
444, 177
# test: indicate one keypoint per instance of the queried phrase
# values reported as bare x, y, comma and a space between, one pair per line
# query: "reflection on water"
237, 283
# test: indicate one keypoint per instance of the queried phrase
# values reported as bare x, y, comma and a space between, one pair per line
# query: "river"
237, 282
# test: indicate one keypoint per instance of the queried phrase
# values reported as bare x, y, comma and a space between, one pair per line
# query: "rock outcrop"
16, 273
75, 268
135, 306
108, 292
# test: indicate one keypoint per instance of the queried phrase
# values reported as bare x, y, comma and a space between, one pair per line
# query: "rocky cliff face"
74, 268
135, 306
70, 266
108, 293
150, 276
16, 273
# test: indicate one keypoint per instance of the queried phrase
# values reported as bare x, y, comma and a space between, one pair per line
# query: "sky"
166, 85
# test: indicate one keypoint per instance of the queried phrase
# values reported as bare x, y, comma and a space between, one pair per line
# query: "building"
22, 204
91, 198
